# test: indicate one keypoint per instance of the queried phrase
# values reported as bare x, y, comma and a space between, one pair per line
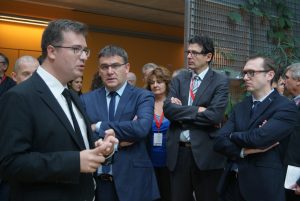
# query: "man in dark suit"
292, 84
5, 81
254, 138
129, 112
195, 106
47, 151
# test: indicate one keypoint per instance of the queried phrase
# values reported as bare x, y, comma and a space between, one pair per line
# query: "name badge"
157, 139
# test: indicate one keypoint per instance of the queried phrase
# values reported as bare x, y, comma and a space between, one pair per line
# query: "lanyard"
191, 90
158, 123
3, 78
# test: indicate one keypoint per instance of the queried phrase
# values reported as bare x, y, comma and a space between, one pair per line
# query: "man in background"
127, 110
5, 81
131, 78
255, 137
195, 106
146, 69
292, 84
24, 68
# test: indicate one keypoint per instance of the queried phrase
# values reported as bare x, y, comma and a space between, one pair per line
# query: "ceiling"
167, 12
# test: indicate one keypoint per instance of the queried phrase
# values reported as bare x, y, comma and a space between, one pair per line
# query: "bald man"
131, 78
24, 67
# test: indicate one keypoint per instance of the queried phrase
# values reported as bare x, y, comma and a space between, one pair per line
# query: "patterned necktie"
255, 108
194, 87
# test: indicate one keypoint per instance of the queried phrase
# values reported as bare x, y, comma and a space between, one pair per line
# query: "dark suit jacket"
260, 176
293, 156
6, 85
132, 168
212, 94
39, 152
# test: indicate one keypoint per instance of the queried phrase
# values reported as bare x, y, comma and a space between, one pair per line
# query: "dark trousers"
105, 191
232, 191
291, 196
163, 182
4, 191
187, 179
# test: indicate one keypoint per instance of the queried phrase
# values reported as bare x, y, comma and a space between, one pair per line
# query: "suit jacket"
261, 175
293, 156
212, 94
39, 152
6, 85
132, 168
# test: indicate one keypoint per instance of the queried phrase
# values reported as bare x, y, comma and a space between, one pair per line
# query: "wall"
144, 42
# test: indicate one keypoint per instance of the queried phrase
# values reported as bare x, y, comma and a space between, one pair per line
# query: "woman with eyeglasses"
158, 82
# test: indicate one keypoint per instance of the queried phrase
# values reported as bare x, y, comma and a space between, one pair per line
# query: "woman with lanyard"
158, 82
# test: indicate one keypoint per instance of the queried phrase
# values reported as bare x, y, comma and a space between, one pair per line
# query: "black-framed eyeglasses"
114, 66
251, 73
78, 50
194, 53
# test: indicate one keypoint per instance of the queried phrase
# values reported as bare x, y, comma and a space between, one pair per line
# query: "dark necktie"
112, 105
66, 93
254, 108
111, 116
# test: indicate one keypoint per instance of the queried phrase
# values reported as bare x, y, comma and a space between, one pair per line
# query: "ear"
127, 67
51, 52
270, 75
208, 57
14, 76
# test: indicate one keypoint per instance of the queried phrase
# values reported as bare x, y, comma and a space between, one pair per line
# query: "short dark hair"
206, 43
53, 34
268, 63
113, 50
6, 61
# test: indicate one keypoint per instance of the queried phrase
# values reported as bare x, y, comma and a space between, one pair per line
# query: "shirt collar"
119, 91
202, 74
54, 85
263, 98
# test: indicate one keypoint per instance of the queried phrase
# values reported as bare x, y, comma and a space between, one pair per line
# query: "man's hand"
201, 109
248, 151
107, 145
296, 188
93, 126
176, 101
91, 159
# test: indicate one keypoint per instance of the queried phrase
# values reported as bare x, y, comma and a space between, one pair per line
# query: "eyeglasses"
251, 73
114, 66
76, 49
194, 53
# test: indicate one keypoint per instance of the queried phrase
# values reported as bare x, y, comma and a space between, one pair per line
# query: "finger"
109, 132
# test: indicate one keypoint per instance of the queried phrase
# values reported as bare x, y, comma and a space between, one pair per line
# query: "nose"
83, 56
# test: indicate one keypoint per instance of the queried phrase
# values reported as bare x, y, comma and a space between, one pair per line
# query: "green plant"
278, 16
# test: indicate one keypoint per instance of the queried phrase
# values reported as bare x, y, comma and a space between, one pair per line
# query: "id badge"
157, 139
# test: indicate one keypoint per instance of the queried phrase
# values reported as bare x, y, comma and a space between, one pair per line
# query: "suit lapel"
203, 86
124, 100
263, 106
186, 88
49, 99
101, 105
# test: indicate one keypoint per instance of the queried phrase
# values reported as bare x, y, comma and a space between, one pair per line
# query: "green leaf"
235, 16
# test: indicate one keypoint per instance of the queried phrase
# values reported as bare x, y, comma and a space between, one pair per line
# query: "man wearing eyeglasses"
292, 85
5, 81
127, 110
195, 106
47, 149
255, 137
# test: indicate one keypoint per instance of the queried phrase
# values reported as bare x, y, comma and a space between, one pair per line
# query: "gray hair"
295, 70
25, 59
148, 66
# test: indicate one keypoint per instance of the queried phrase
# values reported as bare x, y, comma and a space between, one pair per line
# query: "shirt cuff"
242, 153
98, 125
